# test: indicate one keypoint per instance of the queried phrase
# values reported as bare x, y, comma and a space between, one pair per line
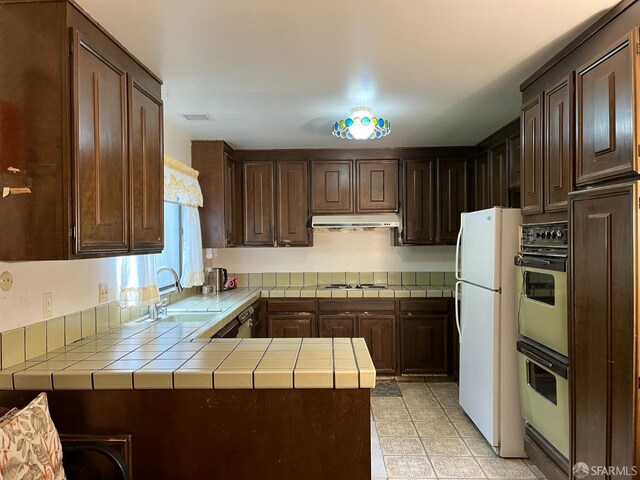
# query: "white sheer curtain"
137, 274
137, 280
181, 186
192, 263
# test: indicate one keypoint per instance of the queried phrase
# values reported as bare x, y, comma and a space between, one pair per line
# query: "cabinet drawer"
419, 306
353, 305
291, 306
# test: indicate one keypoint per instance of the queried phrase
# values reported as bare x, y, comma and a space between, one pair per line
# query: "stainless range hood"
372, 220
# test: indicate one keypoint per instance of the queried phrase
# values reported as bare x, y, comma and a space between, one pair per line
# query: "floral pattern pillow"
30, 447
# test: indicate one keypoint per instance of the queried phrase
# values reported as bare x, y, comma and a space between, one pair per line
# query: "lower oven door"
542, 302
544, 393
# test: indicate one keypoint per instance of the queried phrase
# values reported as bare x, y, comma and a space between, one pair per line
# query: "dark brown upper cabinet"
258, 203
332, 186
480, 188
145, 147
603, 326
558, 145
419, 202
514, 162
498, 176
435, 195
101, 173
218, 180
275, 203
607, 116
376, 186
531, 161
85, 130
451, 197
292, 200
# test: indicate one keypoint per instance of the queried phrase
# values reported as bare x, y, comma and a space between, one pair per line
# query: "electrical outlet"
103, 292
47, 305
6, 281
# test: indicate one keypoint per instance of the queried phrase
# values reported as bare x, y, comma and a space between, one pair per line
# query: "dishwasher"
241, 326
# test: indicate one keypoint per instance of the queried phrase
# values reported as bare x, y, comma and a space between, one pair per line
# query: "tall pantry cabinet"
604, 261
581, 155
81, 129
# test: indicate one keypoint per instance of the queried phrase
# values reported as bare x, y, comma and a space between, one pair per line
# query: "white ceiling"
277, 73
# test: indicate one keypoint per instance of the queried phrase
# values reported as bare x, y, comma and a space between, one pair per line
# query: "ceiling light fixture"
361, 125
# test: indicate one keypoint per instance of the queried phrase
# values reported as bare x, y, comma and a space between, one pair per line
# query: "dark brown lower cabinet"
337, 326
424, 344
290, 326
380, 334
603, 328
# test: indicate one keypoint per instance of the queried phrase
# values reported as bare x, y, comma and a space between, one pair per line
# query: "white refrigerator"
486, 321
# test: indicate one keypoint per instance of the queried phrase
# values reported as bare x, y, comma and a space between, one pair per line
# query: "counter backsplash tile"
26, 343
310, 279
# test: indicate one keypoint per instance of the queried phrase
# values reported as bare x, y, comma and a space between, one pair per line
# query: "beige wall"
74, 284
338, 252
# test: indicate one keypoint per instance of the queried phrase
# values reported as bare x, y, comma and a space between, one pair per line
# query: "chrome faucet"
156, 309
175, 276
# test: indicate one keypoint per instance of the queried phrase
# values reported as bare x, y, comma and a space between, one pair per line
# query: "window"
171, 256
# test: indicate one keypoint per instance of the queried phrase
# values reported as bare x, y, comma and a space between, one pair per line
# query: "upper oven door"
542, 302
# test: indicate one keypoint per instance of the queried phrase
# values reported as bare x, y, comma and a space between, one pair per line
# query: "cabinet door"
337, 326
380, 334
419, 202
100, 169
293, 203
332, 187
498, 180
531, 163
424, 344
147, 172
377, 186
606, 116
290, 326
603, 326
558, 158
258, 203
229, 200
452, 198
514, 161
480, 182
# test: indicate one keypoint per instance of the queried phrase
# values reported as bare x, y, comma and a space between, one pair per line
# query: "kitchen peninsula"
227, 408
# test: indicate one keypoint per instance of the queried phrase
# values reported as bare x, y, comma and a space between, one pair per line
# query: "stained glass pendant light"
361, 125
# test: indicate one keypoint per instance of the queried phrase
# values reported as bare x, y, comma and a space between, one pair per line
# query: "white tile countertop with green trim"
180, 355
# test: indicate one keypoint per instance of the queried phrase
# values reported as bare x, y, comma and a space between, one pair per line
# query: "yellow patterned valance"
181, 183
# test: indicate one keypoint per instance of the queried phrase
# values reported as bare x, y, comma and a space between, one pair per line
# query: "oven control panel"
542, 236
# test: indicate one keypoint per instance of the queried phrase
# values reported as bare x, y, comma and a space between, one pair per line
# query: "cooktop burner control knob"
559, 234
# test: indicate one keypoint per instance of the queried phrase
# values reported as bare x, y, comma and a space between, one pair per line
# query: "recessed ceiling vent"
196, 117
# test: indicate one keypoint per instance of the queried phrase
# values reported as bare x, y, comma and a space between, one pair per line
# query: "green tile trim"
35, 340
72, 328
13, 351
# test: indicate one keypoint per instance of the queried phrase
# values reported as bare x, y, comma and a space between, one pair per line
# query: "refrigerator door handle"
458, 243
457, 300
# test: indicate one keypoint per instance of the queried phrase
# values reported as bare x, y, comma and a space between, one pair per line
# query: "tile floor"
418, 431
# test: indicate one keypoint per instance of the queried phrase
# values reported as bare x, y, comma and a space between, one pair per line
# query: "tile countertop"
179, 355
393, 291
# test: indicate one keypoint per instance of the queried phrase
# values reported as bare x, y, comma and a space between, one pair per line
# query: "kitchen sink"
183, 317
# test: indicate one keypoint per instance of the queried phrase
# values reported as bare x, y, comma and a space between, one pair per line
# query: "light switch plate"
47, 305
103, 292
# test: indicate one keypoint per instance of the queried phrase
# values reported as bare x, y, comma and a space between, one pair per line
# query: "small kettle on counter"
217, 277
